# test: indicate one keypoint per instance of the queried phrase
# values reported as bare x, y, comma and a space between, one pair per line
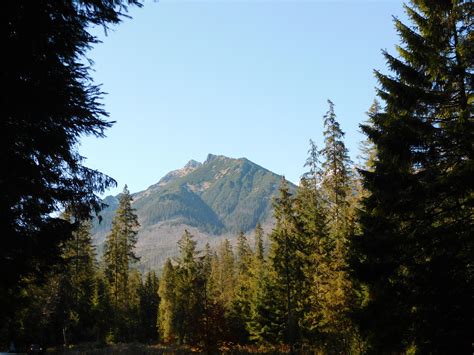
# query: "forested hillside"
215, 199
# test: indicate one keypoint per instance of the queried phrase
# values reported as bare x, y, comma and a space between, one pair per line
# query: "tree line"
374, 258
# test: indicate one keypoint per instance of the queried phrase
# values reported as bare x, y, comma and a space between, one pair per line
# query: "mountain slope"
214, 200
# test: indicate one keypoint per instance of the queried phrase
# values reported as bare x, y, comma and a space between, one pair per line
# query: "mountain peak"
192, 164
212, 157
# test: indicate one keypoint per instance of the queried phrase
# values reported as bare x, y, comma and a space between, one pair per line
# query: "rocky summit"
213, 200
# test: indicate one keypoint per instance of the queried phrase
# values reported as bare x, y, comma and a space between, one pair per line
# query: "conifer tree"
335, 169
189, 292
268, 313
77, 284
416, 246
287, 260
225, 274
119, 254
167, 308
43, 171
148, 312
324, 207
367, 149
102, 307
311, 212
240, 311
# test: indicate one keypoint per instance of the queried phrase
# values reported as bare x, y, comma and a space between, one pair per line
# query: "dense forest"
374, 257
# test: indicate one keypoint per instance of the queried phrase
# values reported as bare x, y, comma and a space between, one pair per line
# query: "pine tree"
416, 247
119, 254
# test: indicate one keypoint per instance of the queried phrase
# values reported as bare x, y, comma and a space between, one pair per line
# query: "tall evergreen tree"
119, 254
311, 212
325, 211
51, 102
335, 169
148, 312
77, 285
240, 312
189, 291
167, 308
287, 260
416, 247
225, 274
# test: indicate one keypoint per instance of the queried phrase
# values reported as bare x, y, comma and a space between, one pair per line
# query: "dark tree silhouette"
416, 247
48, 102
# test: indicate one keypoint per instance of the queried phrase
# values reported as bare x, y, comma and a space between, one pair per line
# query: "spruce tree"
416, 246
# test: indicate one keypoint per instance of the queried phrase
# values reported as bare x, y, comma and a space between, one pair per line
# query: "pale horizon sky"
237, 78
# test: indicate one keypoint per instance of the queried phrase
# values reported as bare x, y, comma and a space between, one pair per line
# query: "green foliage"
118, 257
221, 195
415, 250
167, 309
51, 102
240, 309
148, 308
287, 258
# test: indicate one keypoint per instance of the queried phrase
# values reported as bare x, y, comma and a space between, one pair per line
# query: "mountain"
213, 200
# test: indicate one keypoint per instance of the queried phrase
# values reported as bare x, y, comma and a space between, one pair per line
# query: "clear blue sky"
238, 78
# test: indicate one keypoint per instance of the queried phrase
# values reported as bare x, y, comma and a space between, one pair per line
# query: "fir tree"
119, 254
416, 247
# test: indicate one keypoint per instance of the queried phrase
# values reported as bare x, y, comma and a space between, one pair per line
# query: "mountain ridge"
215, 200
